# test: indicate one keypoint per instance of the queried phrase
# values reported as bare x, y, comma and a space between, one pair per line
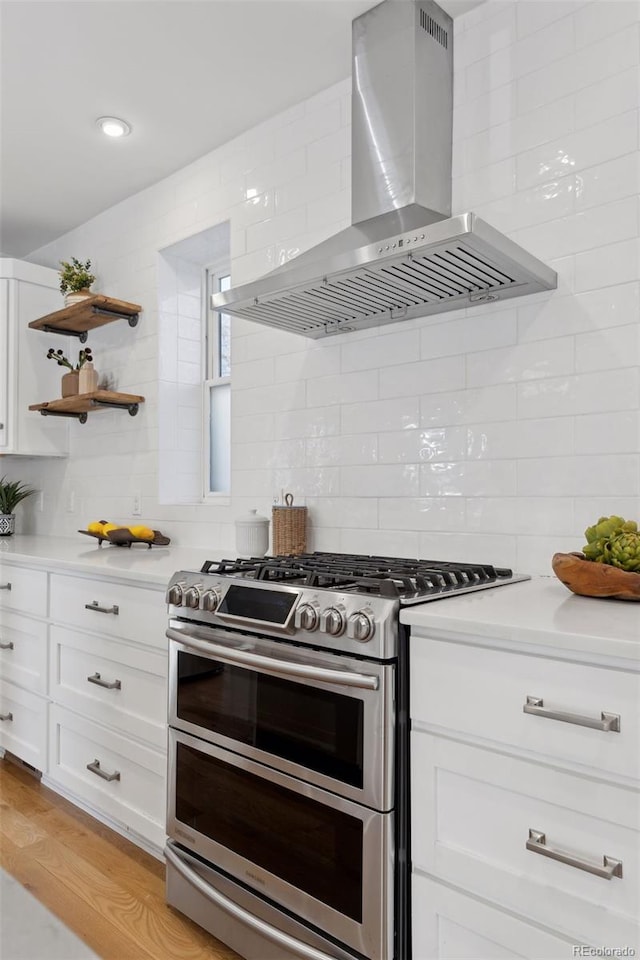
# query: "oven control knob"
210, 600
174, 594
360, 627
306, 617
332, 621
192, 597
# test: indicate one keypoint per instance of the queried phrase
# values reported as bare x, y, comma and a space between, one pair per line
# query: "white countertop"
153, 565
542, 612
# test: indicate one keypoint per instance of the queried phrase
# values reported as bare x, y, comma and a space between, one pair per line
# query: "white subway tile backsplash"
472, 478
382, 480
552, 43
333, 451
489, 434
608, 181
608, 349
343, 388
582, 393
469, 334
591, 475
521, 515
607, 266
425, 514
527, 361
575, 152
381, 415
593, 21
420, 446
599, 433
390, 349
426, 376
549, 437
469, 406
609, 97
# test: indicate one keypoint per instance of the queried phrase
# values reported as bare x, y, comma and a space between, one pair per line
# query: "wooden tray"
124, 538
590, 579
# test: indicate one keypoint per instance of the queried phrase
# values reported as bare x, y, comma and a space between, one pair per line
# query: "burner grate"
384, 576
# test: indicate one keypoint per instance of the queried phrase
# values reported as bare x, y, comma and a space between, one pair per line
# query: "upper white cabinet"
28, 291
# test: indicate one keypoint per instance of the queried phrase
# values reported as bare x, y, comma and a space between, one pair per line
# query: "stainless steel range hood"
404, 255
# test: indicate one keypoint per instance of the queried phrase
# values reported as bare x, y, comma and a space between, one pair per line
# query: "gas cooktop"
402, 579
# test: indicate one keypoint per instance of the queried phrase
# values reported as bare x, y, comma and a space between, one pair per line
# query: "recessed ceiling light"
113, 127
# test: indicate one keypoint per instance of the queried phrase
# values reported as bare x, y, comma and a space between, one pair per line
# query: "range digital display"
269, 606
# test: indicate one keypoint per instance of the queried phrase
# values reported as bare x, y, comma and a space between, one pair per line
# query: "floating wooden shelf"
84, 403
81, 317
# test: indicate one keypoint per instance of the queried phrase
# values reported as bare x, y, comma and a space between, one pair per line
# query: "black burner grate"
385, 576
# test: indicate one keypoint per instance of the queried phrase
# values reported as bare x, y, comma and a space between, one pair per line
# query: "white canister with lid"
252, 535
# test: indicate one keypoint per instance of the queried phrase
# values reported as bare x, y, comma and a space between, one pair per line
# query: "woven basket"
289, 529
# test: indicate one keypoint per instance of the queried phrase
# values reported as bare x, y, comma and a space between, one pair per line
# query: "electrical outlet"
71, 502
136, 510
41, 501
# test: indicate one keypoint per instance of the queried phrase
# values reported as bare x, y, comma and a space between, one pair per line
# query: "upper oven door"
326, 719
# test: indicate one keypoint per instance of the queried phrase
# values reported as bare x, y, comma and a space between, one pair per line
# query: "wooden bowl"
589, 579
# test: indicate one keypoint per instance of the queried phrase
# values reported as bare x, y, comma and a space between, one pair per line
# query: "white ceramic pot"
252, 535
77, 297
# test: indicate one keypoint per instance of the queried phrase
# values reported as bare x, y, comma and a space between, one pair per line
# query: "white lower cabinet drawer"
23, 652
113, 683
482, 693
447, 925
472, 813
23, 725
128, 611
23, 590
111, 774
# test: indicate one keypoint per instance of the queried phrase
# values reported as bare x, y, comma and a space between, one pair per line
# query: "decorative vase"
88, 379
76, 296
7, 524
69, 384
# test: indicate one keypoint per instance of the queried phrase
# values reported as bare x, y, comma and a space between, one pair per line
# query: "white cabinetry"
520, 818
23, 664
28, 291
107, 683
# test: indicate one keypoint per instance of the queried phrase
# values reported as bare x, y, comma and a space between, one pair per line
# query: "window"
217, 390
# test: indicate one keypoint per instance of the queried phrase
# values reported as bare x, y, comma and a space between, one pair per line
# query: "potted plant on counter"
12, 492
75, 280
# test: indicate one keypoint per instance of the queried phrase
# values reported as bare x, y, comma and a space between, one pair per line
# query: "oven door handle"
282, 668
260, 926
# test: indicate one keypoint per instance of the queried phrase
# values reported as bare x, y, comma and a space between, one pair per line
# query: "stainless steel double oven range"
288, 780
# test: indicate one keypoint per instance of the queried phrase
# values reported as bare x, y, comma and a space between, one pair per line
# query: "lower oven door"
328, 719
326, 859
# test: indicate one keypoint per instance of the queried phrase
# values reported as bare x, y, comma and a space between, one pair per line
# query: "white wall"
495, 434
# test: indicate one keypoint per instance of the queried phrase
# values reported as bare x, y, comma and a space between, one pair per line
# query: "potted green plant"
12, 492
75, 280
70, 385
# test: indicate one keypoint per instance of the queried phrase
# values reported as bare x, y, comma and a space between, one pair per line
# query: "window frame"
213, 277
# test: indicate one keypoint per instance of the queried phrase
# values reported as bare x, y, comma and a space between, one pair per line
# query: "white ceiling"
188, 75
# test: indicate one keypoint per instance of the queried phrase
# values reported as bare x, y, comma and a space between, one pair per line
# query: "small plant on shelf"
84, 356
75, 276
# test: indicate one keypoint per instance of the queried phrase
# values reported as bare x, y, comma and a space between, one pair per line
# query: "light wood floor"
102, 886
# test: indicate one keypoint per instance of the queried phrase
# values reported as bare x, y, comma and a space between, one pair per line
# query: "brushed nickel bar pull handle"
609, 722
98, 609
283, 940
6, 716
537, 843
7, 646
107, 684
95, 768
5, 586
